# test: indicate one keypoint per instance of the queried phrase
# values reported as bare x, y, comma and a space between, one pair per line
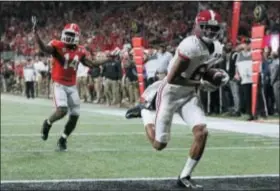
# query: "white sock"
188, 168
64, 135
147, 117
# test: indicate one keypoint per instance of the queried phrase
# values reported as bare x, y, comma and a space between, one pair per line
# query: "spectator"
231, 90
266, 80
151, 66
19, 77
29, 77
244, 72
8, 76
96, 79
82, 78
132, 82
42, 69
112, 74
163, 59
275, 79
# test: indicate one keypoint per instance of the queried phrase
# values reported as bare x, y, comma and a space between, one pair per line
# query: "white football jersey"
195, 50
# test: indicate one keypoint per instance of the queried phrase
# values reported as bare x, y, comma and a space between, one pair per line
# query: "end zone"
243, 182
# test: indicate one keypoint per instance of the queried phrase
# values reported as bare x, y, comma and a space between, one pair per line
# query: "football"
214, 76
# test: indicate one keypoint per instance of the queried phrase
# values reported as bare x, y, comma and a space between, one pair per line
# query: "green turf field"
106, 146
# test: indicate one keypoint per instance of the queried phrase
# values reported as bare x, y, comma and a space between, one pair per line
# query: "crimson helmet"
208, 25
71, 34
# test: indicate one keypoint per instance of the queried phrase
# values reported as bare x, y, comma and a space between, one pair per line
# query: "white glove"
225, 79
207, 86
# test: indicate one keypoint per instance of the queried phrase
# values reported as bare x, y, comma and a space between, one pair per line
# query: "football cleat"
134, 112
187, 182
45, 130
61, 144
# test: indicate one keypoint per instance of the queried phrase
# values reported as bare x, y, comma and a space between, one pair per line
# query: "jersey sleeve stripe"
183, 56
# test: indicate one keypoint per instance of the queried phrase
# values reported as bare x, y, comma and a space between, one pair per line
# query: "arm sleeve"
186, 49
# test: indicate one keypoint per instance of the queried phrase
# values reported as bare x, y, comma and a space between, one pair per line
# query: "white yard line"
135, 179
26, 123
271, 130
136, 149
78, 134
177, 134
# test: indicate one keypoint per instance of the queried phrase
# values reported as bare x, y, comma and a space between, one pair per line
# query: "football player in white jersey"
177, 92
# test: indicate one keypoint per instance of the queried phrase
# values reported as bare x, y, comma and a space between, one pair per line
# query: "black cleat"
61, 144
45, 130
187, 182
134, 112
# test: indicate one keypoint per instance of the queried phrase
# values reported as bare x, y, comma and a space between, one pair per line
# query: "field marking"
250, 128
108, 134
174, 134
135, 179
31, 114
18, 123
137, 149
81, 134
246, 137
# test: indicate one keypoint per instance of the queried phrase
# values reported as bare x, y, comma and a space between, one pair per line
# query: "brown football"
214, 76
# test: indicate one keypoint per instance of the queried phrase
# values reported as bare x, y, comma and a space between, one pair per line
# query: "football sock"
70, 125
188, 168
147, 117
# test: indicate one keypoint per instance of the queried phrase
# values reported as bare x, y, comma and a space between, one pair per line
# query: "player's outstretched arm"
43, 47
93, 63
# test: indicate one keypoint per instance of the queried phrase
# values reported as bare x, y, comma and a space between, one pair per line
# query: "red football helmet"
71, 34
208, 25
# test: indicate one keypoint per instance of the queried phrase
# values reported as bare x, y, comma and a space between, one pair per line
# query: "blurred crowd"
107, 29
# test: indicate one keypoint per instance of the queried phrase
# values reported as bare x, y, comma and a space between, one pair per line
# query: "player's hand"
34, 23
225, 78
207, 86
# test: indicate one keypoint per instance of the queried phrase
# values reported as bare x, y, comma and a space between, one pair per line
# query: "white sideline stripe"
79, 134
136, 149
39, 123
253, 128
183, 134
136, 179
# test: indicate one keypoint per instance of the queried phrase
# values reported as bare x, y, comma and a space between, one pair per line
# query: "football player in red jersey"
67, 54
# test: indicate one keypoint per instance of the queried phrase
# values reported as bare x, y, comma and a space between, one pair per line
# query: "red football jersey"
65, 62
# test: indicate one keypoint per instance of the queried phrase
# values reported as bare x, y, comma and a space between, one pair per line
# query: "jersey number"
71, 63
